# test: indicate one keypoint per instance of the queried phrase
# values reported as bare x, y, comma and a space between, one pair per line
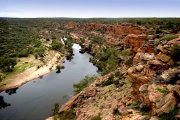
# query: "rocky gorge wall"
150, 86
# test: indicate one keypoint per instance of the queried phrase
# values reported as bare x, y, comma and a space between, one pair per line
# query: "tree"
55, 109
7, 64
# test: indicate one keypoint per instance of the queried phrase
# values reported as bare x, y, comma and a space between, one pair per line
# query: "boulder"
174, 88
90, 92
154, 118
178, 82
148, 56
171, 62
137, 57
131, 70
139, 68
162, 49
123, 111
153, 94
166, 104
144, 117
158, 65
143, 88
163, 57
69, 104
114, 104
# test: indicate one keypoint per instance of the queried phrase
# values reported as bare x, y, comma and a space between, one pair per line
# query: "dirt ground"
51, 60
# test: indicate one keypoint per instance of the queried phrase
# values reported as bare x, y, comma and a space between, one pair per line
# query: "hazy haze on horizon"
89, 8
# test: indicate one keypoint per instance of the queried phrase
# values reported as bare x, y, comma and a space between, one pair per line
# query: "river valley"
34, 100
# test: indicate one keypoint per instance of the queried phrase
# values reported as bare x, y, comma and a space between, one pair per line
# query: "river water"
35, 99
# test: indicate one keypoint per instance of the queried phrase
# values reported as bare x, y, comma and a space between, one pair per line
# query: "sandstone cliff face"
70, 25
151, 82
160, 97
134, 42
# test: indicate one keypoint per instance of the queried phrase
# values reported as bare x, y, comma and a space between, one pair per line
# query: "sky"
89, 8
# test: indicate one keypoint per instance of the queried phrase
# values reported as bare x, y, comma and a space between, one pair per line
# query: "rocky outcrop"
78, 99
137, 41
166, 104
150, 83
70, 25
69, 104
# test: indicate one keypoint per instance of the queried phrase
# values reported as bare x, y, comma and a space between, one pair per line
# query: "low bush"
168, 37
170, 115
125, 52
175, 52
67, 115
78, 87
97, 117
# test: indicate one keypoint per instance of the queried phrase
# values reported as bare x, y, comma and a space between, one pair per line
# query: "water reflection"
11, 91
2, 103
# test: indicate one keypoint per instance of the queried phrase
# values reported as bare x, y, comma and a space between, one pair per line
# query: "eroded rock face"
134, 41
141, 76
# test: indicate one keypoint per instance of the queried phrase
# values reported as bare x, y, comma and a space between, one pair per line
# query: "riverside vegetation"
138, 59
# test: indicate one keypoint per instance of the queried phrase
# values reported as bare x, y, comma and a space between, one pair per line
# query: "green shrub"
146, 39
168, 37
135, 105
152, 32
157, 41
97, 117
125, 52
78, 87
162, 91
97, 39
175, 52
170, 115
56, 45
105, 83
23, 53
55, 109
58, 67
67, 115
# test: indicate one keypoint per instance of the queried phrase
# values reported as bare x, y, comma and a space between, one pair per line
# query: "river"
35, 99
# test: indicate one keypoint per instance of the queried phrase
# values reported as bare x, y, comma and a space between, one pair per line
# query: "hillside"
138, 60
139, 64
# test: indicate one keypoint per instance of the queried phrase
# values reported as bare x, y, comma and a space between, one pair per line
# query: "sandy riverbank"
32, 73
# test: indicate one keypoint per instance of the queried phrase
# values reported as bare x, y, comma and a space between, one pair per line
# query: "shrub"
175, 52
97, 39
67, 115
168, 37
23, 53
170, 115
83, 83
97, 117
135, 105
55, 109
56, 45
158, 31
58, 67
125, 52
105, 83
157, 41
161, 90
